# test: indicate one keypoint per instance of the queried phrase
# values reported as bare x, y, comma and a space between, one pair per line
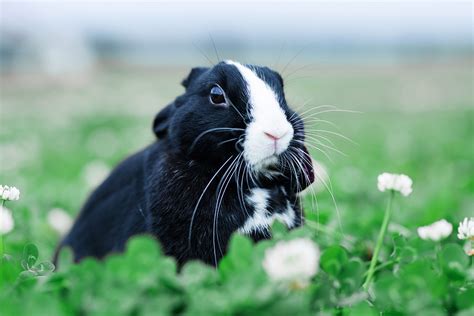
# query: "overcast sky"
354, 21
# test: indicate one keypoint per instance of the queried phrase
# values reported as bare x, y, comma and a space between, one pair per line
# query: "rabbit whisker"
315, 147
329, 188
222, 187
200, 198
217, 129
314, 199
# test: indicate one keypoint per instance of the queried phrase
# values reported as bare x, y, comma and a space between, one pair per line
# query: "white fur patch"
267, 117
261, 219
287, 217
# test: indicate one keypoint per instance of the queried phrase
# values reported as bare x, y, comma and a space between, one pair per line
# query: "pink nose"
272, 137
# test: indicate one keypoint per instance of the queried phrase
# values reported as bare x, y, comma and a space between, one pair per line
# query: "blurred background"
82, 81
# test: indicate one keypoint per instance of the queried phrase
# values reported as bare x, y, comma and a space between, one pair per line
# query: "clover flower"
436, 231
466, 229
59, 220
396, 182
295, 261
9, 193
94, 173
6, 221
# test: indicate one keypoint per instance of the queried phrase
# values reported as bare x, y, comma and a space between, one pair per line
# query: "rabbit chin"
263, 156
264, 164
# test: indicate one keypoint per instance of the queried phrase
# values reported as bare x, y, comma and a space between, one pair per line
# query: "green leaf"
454, 261
408, 255
143, 247
279, 230
465, 299
44, 268
240, 250
351, 275
363, 309
466, 312
65, 259
333, 260
240, 246
196, 273
399, 243
387, 291
28, 274
238, 258
9, 271
30, 256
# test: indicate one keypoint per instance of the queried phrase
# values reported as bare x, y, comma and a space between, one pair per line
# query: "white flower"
436, 231
6, 221
60, 221
9, 193
94, 173
396, 182
466, 229
292, 261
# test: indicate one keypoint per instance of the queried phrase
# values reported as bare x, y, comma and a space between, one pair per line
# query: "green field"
58, 136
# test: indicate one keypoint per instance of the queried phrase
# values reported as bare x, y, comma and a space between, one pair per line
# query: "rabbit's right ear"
193, 75
162, 119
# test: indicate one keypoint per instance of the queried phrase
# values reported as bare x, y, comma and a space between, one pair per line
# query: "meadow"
59, 138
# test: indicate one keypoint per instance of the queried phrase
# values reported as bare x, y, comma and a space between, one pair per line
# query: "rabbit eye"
217, 96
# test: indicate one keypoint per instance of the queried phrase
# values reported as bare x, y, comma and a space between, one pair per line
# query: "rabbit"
229, 158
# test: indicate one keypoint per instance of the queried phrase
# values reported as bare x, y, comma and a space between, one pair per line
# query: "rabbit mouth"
267, 162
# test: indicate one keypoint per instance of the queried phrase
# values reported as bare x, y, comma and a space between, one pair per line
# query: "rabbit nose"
274, 137
271, 136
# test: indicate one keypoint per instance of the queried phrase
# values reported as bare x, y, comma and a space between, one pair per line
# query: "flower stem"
378, 246
471, 243
2, 247
383, 265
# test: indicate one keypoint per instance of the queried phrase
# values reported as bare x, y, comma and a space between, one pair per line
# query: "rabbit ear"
162, 119
193, 75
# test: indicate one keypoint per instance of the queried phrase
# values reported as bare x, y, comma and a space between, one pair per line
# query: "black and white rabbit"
229, 157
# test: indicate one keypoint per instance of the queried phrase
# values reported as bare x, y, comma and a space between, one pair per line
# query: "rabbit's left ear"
193, 75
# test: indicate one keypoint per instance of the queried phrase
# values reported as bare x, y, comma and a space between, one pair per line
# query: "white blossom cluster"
396, 182
466, 229
436, 231
295, 261
9, 193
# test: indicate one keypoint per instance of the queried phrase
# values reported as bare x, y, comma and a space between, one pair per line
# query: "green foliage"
333, 260
29, 265
142, 281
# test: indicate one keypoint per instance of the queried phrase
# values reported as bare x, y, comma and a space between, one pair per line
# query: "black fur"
157, 190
